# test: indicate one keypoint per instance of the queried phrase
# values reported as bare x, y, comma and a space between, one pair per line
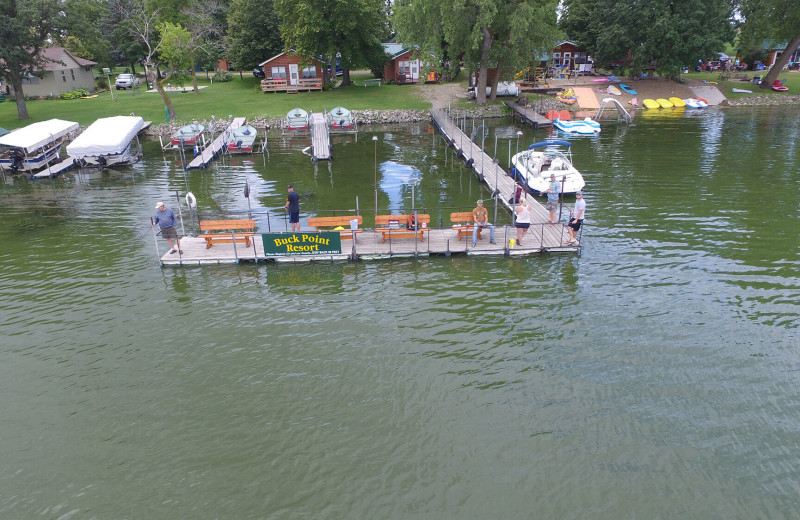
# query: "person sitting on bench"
481, 220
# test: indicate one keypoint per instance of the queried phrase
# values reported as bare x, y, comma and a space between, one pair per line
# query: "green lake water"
654, 376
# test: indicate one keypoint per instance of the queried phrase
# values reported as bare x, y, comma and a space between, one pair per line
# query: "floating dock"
54, 170
529, 115
320, 138
213, 150
369, 246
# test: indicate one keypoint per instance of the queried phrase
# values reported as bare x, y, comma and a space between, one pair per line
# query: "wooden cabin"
290, 72
402, 68
568, 56
62, 72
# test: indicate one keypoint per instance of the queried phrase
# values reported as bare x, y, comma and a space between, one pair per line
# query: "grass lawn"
792, 81
239, 97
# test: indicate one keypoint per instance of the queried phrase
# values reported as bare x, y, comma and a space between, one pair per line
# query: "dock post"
235, 251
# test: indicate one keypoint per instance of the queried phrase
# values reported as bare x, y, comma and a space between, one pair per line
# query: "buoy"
191, 200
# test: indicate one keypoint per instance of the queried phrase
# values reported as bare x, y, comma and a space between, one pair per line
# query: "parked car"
126, 81
258, 72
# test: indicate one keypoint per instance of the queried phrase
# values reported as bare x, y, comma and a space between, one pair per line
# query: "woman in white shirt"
523, 221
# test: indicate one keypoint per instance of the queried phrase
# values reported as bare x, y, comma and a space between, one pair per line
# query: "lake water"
654, 376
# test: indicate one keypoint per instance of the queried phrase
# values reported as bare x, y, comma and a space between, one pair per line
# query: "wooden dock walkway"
55, 169
441, 241
320, 139
495, 177
529, 115
213, 149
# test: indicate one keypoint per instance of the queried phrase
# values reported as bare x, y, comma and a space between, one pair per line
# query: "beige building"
63, 72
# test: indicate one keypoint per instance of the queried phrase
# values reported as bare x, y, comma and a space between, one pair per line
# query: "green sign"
313, 243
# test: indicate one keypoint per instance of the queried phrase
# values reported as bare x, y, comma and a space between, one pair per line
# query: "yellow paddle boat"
677, 102
664, 103
651, 103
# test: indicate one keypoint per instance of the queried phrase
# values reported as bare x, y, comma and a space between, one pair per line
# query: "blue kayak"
628, 90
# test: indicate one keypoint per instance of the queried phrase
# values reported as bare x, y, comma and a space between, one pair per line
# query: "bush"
75, 94
223, 75
101, 83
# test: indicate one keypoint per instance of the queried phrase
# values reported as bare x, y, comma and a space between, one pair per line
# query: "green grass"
792, 81
240, 97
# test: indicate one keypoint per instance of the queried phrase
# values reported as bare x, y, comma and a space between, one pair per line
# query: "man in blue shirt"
293, 205
165, 218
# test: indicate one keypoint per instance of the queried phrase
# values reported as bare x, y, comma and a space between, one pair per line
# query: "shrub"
223, 75
75, 94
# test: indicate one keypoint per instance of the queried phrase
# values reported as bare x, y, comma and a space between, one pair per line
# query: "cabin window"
309, 72
63, 76
403, 67
87, 69
279, 72
30, 79
556, 59
72, 73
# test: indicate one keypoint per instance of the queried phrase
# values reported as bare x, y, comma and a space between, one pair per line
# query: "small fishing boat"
340, 117
613, 90
651, 103
628, 90
297, 119
188, 135
107, 141
35, 146
584, 126
532, 167
664, 103
242, 139
677, 102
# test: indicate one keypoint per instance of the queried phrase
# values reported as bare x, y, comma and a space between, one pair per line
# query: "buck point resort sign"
302, 243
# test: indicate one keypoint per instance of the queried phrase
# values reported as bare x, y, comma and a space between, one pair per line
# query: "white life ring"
190, 200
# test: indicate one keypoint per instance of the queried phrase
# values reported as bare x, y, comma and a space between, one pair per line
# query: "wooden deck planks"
320, 138
529, 115
213, 149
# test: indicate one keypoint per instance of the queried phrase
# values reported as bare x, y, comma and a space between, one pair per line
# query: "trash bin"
756, 80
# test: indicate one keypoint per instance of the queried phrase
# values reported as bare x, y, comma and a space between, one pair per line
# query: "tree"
205, 31
25, 27
777, 20
661, 34
253, 33
83, 30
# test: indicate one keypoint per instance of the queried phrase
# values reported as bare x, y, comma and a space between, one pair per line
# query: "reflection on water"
662, 358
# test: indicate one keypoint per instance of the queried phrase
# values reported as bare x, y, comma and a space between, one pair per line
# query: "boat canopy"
106, 136
555, 142
37, 135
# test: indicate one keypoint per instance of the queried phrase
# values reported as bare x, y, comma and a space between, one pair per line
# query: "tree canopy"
774, 21
253, 33
663, 35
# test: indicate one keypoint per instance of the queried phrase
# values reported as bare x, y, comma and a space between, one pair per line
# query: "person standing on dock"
165, 218
576, 217
552, 198
481, 218
523, 222
293, 205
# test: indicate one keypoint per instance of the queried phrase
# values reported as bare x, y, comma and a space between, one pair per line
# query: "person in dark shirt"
293, 206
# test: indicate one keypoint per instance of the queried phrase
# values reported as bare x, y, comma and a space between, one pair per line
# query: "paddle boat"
188, 136
585, 126
35, 146
613, 90
695, 103
107, 142
242, 139
340, 117
677, 102
297, 119
628, 90
778, 86
651, 103
532, 167
664, 103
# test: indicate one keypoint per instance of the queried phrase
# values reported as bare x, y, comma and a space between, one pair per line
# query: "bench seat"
331, 222
239, 231
463, 224
383, 226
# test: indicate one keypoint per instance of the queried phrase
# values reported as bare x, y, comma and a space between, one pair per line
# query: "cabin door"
415, 70
293, 73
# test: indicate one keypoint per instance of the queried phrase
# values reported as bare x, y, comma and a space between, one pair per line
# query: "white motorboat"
107, 141
297, 119
532, 168
340, 117
35, 146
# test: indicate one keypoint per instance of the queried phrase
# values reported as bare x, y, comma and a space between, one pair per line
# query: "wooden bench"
463, 223
383, 225
331, 222
242, 230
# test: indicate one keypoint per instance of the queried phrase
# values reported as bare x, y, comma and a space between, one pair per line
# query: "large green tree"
25, 27
660, 34
253, 33
349, 31
502, 34
83, 30
777, 21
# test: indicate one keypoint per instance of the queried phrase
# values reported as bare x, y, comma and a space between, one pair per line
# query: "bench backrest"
227, 225
461, 216
342, 220
383, 220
